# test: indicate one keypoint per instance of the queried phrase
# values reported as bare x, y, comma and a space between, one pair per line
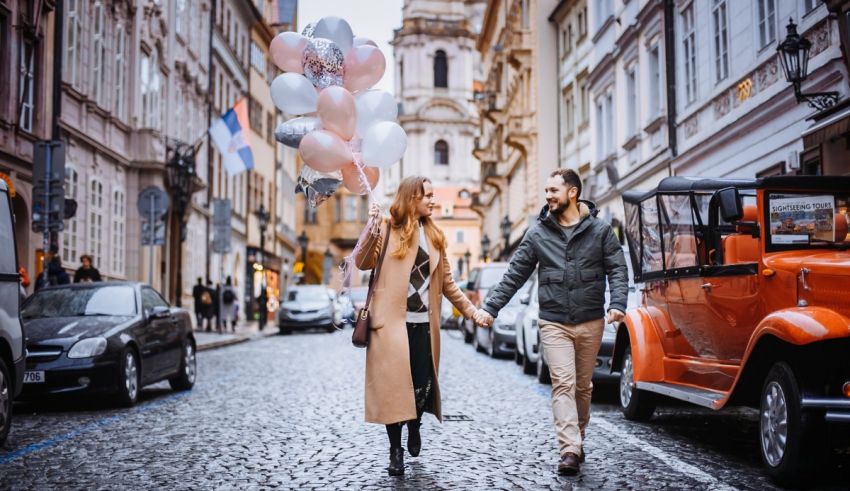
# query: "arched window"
441, 153
441, 69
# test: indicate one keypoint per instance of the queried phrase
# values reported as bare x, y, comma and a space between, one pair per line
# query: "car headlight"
87, 348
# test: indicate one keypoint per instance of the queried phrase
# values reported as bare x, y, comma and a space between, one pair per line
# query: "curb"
231, 342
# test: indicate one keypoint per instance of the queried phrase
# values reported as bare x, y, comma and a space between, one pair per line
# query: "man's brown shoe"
569, 465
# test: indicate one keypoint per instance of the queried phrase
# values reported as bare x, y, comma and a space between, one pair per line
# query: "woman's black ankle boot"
414, 439
396, 467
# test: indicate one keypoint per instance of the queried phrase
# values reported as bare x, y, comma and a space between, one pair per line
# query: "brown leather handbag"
363, 327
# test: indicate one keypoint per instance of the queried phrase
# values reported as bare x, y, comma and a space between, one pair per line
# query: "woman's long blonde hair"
403, 216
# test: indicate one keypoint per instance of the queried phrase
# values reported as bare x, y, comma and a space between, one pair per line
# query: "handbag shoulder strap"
377, 270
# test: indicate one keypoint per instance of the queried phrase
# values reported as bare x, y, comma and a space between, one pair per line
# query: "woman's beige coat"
389, 383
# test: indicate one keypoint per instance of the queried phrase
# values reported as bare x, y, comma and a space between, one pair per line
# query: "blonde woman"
403, 358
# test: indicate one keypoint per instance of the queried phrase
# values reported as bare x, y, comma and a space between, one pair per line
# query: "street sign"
48, 192
153, 201
222, 230
157, 238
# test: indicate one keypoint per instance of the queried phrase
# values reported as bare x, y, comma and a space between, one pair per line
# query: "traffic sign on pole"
222, 230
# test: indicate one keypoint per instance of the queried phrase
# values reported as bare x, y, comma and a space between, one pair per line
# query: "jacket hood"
585, 209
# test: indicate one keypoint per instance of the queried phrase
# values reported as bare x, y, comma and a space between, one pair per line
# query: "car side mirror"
525, 299
731, 207
159, 312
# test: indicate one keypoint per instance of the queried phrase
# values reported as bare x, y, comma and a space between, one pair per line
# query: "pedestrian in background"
86, 273
574, 252
25, 282
228, 305
56, 274
197, 291
208, 308
403, 357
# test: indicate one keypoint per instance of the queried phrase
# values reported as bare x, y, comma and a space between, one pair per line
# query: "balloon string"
371, 230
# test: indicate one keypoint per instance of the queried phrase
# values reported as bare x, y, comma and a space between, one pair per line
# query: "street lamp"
326, 266
467, 256
263, 220
485, 246
180, 170
506, 226
459, 267
303, 240
794, 53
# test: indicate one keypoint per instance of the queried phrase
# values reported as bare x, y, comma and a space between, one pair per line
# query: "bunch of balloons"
346, 131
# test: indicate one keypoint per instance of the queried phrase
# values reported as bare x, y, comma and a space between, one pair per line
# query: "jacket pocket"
551, 290
590, 275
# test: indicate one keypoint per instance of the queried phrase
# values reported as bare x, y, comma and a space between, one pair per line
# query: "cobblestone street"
286, 411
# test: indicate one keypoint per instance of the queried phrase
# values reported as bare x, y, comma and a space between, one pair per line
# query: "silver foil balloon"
308, 30
317, 186
291, 132
323, 63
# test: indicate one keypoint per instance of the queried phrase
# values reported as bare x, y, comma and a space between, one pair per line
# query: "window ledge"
655, 123
632, 142
602, 28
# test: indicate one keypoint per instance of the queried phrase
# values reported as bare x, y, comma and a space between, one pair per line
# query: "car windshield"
79, 302
309, 294
491, 276
808, 220
358, 294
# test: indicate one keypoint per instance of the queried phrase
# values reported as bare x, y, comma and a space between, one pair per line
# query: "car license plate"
34, 377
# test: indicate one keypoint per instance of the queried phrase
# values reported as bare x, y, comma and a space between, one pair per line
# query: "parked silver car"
500, 339
12, 352
306, 307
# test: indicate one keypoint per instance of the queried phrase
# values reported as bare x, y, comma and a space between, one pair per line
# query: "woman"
228, 305
403, 358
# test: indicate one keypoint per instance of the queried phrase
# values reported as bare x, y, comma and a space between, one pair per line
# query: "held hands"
482, 318
614, 316
374, 210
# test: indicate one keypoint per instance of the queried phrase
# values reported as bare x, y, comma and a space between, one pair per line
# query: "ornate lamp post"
180, 169
303, 240
263, 217
326, 266
485, 246
794, 53
467, 256
505, 227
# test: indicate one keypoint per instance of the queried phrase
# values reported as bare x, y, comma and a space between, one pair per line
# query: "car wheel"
528, 367
517, 356
542, 369
491, 349
637, 405
285, 330
468, 335
788, 438
475, 343
330, 328
185, 378
128, 377
5, 402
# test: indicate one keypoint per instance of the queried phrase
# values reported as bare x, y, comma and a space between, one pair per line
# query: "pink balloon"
364, 66
351, 178
337, 111
287, 48
324, 151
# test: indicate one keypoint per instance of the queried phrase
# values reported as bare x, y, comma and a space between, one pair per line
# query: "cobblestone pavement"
286, 412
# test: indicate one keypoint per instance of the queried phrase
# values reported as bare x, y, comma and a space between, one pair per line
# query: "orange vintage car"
746, 301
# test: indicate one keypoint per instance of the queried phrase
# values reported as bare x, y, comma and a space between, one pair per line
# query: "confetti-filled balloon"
323, 63
308, 30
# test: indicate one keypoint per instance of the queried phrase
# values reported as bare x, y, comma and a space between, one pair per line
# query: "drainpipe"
670, 69
210, 101
58, 20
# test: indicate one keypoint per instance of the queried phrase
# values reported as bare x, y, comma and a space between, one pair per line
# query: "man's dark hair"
570, 178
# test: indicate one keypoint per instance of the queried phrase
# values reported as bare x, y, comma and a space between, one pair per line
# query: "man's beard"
560, 209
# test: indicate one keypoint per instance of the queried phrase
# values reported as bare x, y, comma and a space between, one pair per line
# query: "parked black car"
11, 334
112, 337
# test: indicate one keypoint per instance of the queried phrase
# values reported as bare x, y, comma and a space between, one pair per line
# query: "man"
197, 291
574, 252
86, 273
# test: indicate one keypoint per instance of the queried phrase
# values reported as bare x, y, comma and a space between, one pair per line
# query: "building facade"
518, 143
436, 68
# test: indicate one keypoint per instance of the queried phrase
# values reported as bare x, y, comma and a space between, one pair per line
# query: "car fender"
638, 330
800, 326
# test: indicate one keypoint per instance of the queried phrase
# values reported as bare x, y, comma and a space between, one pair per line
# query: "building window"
441, 153
364, 209
151, 85
459, 237
654, 82
767, 22
349, 208
721, 40
604, 9
569, 113
609, 124
270, 128
255, 115
582, 23
689, 53
600, 129
118, 232
809, 5
568, 39
258, 58
96, 222
631, 101
120, 106
180, 8
441, 70
98, 52
26, 83
73, 41
71, 234
310, 214
525, 14
584, 100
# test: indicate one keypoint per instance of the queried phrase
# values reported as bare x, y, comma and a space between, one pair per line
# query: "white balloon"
383, 144
292, 93
374, 106
337, 30
360, 41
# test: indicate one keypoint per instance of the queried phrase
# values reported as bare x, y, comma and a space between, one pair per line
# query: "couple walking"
574, 253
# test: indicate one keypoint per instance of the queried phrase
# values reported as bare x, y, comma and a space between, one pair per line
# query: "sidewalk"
245, 331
